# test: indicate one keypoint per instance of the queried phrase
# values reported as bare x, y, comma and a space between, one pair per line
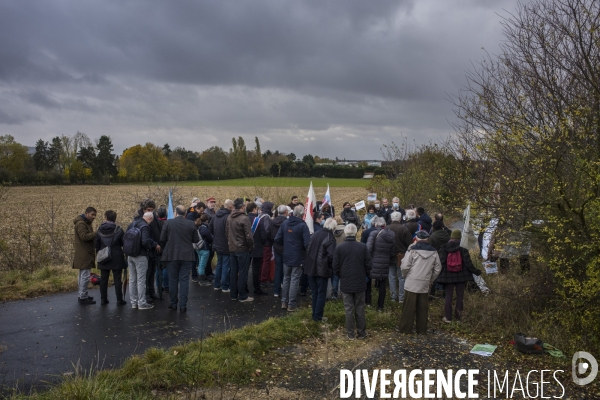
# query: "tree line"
77, 160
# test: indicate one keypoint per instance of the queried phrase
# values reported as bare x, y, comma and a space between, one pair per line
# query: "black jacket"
319, 254
192, 215
425, 222
352, 264
365, 235
177, 239
402, 235
350, 217
148, 244
382, 246
294, 236
111, 234
154, 229
273, 229
438, 238
260, 235
412, 226
466, 274
206, 236
216, 227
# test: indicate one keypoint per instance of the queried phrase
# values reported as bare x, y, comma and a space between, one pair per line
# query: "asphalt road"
42, 339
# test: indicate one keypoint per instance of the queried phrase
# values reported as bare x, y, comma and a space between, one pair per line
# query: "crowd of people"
403, 249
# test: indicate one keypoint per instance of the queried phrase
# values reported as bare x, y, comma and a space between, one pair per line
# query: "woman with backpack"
457, 270
110, 235
203, 248
382, 247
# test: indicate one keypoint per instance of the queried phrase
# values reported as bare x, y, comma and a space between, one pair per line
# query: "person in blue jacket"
294, 236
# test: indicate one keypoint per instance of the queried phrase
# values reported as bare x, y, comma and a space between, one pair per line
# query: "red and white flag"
309, 205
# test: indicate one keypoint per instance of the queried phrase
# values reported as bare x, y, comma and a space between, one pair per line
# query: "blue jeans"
164, 272
318, 291
335, 284
202, 260
222, 272
396, 283
278, 274
291, 283
179, 281
238, 275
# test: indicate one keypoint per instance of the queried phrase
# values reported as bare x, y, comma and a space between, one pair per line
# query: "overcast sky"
330, 78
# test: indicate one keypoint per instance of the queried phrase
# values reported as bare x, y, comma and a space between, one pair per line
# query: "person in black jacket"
154, 227
177, 238
259, 234
424, 220
382, 246
403, 239
349, 216
216, 226
111, 234
319, 264
281, 215
352, 263
203, 252
265, 223
455, 279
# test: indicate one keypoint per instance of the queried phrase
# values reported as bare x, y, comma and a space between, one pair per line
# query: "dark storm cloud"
286, 70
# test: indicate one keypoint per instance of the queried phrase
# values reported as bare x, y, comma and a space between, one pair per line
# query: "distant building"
356, 163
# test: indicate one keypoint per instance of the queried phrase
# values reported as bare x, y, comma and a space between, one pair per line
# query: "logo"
580, 368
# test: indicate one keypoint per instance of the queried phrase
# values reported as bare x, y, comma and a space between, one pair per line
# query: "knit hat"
456, 234
421, 235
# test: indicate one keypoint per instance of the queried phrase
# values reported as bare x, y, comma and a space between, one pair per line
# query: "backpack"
454, 262
199, 245
132, 241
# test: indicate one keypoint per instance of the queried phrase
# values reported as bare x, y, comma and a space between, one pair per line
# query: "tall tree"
13, 156
40, 157
105, 166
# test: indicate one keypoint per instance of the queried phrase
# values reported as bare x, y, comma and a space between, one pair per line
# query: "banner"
359, 205
327, 197
309, 209
468, 240
170, 207
371, 196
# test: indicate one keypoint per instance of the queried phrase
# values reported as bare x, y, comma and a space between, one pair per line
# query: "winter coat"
438, 238
192, 215
273, 229
464, 275
259, 236
294, 236
365, 234
420, 266
402, 236
177, 240
350, 217
85, 256
412, 226
266, 208
154, 229
367, 220
352, 264
216, 226
339, 234
425, 222
239, 232
204, 232
382, 247
316, 227
111, 234
319, 254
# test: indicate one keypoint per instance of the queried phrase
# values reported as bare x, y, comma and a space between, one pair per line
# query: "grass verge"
18, 285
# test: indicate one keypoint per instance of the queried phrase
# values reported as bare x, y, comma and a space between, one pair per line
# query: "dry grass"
16, 285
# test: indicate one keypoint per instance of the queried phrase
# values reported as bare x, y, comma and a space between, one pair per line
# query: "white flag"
308, 210
468, 239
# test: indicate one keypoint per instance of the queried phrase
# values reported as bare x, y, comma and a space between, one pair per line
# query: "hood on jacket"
424, 249
294, 221
451, 246
81, 218
339, 230
267, 208
222, 212
238, 213
107, 228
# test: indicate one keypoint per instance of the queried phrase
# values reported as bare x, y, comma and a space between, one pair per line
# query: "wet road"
44, 338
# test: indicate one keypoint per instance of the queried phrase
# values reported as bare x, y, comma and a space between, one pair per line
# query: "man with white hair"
352, 263
138, 263
403, 239
294, 237
411, 222
220, 245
